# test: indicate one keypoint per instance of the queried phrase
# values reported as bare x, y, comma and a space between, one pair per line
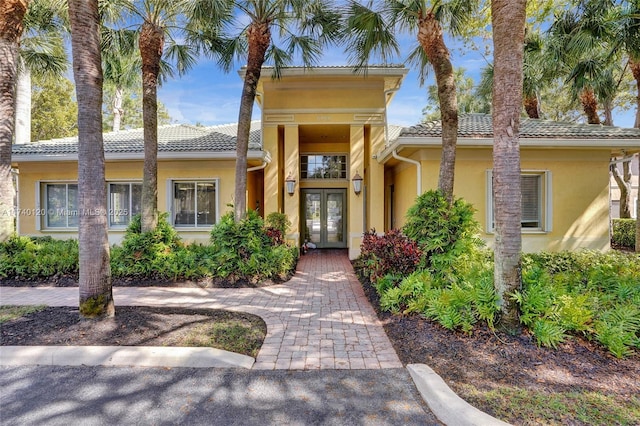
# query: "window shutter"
530, 200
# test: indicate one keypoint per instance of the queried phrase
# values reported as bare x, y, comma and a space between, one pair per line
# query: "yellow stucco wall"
579, 192
31, 174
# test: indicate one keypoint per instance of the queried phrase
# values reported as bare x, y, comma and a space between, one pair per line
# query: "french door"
324, 217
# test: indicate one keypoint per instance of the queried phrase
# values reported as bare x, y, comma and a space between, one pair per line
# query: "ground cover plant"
578, 352
244, 253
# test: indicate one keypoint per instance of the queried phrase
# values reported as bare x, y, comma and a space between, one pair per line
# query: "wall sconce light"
357, 183
290, 184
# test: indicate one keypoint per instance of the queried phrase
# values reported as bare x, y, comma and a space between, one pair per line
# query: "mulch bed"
489, 359
131, 326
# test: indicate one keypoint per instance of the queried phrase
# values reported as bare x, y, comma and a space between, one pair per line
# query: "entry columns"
356, 202
273, 180
292, 166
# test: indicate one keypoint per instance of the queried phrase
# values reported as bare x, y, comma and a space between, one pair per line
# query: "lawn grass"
531, 407
230, 335
9, 312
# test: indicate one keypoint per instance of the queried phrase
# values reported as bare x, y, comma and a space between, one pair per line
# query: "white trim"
129, 209
548, 199
170, 199
38, 200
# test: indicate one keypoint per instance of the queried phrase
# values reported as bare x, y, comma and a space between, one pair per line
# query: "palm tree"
41, 52
12, 13
121, 66
160, 20
588, 44
96, 298
508, 22
373, 32
302, 27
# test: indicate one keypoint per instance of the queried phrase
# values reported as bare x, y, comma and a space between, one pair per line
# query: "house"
324, 154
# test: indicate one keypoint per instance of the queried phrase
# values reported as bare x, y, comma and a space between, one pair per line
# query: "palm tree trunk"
151, 45
432, 41
635, 70
508, 18
624, 185
11, 15
117, 109
23, 106
259, 38
608, 113
96, 298
590, 106
531, 107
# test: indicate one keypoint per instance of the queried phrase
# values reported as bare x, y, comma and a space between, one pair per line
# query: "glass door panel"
323, 217
312, 224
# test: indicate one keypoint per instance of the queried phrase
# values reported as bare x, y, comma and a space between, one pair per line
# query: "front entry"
324, 217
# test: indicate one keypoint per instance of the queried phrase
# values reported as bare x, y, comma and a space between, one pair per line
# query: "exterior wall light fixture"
357, 183
290, 184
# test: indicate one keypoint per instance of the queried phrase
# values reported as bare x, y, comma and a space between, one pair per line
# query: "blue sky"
208, 96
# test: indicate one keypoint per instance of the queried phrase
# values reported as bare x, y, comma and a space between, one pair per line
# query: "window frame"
43, 209
326, 154
545, 203
172, 208
111, 209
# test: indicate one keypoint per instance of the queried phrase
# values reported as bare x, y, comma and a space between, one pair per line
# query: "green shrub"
444, 231
624, 233
146, 255
246, 250
593, 294
456, 302
36, 258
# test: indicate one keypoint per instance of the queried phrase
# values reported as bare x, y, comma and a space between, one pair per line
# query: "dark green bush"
149, 254
624, 233
444, 231
593, 294
246, 250
35, 258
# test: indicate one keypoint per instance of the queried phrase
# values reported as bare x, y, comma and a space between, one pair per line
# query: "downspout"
266, 160
395, 155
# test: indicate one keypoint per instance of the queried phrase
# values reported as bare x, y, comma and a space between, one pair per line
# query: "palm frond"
370, 34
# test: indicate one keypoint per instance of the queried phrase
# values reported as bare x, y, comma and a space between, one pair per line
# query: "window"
61, 205
536, 201
125, 201
194, 203
323, 166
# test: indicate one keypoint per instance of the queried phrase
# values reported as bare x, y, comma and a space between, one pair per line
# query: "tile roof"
171, 138
480, 126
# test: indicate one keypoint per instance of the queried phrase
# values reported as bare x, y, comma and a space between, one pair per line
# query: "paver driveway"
320, 319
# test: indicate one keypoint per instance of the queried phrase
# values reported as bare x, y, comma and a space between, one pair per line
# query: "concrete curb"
448, 407
137, 356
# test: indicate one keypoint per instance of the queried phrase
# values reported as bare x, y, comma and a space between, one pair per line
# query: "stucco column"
292, 166
375, 174
272, 183
356, 202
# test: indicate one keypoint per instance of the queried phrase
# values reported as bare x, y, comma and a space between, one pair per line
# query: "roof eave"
138, 156
613, 145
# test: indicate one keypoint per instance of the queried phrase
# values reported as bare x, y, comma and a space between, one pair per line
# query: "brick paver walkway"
320, 319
